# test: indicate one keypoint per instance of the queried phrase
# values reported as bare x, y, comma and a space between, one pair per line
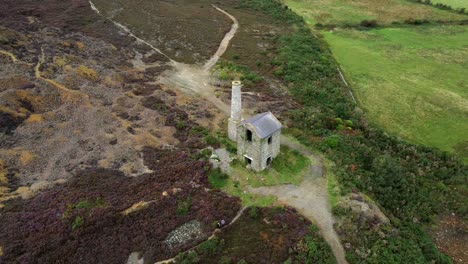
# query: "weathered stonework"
259, 149
236, 110
258, 138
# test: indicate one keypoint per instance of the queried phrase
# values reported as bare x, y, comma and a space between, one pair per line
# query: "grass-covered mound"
264, 235
102, 216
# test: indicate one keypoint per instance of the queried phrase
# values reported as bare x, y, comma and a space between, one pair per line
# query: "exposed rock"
368, 211
221, 159
183, 234
134, 258
136, 207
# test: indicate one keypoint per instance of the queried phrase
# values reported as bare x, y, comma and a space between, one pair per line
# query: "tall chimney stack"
236, 110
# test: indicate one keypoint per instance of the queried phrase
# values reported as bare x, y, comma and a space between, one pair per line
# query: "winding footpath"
310, 198
238, 215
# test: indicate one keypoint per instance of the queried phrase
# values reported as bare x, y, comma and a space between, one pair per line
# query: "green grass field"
453, 3
411, 81
353, 12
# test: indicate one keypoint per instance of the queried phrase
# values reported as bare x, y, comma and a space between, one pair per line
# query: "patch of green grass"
77, 223
183, 206
453, 3
231, 71
411, 81
288, 167
333, 187
348, 12
234, 188
217, 178
289, 163
83, 204
209, 246
86, 204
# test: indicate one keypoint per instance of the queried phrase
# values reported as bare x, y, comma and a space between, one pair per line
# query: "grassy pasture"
453, 3
353, 12
412, 81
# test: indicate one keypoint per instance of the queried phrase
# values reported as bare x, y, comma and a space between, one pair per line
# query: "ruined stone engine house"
257, 138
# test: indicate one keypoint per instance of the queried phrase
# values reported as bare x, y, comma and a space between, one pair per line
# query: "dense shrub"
410, 182
82, 220
369, 23
265, 235
217, 178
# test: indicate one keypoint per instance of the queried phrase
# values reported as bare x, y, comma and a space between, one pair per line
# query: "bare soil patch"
451, 237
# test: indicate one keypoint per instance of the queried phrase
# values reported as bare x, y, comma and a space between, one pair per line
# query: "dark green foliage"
439, 5
229, 70
188, 257
333, 141
37, 230
203, 154
266, 235
289, 162
86, 204
77, 222
217, 178
313, 249
410, 182
181, 125
183, 206
210, 140
307, 66
253, 212
369, 23
209, 247
273, 8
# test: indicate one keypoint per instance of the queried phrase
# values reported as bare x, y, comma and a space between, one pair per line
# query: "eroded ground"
89, 134
74, 99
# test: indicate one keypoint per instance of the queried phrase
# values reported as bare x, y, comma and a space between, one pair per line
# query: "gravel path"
310, 198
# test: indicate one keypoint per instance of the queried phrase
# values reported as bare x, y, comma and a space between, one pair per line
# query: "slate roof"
264, 124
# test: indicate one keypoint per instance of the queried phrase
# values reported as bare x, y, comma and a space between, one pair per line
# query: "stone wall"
258, 149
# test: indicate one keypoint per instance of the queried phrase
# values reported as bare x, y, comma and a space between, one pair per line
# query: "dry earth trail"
310, 197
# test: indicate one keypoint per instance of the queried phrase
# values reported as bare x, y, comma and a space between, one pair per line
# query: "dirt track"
310, 198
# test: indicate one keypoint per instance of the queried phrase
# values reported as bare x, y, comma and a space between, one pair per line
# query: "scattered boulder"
183, 234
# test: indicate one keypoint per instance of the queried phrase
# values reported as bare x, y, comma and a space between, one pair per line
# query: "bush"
183, 206
217, 178
398, 175
253, 213
209, 247
369, 23
181, 125
332, 141
77, 222
211, 140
